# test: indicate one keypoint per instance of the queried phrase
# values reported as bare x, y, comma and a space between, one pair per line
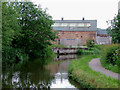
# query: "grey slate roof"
102, 31
93, 26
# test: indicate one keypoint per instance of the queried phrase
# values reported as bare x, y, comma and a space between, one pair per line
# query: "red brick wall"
83, 35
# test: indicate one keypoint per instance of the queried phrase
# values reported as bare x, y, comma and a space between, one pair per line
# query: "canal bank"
80, 72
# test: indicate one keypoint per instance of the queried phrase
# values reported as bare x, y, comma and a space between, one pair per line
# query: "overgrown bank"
110, 57
80, 71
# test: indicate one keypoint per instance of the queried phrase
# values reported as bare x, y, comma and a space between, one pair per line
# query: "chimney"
83, 18
62, 18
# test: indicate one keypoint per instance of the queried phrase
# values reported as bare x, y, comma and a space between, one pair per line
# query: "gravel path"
95, 64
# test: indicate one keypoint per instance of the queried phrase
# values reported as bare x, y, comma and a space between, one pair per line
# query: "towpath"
95, 65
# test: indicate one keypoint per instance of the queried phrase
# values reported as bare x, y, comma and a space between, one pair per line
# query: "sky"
100, 10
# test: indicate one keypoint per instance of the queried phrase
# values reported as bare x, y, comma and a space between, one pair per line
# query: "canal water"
35, 75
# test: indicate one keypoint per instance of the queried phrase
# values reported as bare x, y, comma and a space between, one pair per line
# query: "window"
72, 24
81, 25
56, 24
64, 24
88, 24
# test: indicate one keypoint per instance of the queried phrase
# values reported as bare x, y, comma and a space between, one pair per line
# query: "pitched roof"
93, 26
102, 31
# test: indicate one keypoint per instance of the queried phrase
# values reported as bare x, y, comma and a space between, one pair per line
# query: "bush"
110, 54
11, 56
95, 50
90, 44
99, 46
79, 51
70, 46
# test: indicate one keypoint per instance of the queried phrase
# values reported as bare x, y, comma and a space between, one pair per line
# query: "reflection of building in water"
61, 67
60, 71
66, 57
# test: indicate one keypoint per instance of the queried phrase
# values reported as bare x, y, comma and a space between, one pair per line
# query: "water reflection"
33, 75
60, 71
65, 57
61, 81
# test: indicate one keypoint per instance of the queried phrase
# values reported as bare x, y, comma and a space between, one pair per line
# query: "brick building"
103, 37
75, 32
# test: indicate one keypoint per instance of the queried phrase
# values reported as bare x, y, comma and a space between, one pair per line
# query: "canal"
35, 75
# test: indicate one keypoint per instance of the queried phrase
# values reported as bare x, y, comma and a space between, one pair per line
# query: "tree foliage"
26, 30
10, 27
114, 29
10, 30
36, 32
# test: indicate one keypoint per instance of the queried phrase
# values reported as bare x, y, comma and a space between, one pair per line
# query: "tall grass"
110, 57
94, 50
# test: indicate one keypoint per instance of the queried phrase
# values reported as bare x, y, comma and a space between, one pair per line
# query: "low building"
75, 32
103, 37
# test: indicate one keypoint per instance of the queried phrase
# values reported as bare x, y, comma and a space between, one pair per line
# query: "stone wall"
74, 37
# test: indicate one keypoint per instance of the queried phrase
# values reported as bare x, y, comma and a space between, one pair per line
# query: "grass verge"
80, 71
113, 68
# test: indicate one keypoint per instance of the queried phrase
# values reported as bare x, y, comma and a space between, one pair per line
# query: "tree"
26, 32
10, 30
114, 29
10, 27
36, 31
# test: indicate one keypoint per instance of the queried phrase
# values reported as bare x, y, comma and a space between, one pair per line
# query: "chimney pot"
83, 18
62, 18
